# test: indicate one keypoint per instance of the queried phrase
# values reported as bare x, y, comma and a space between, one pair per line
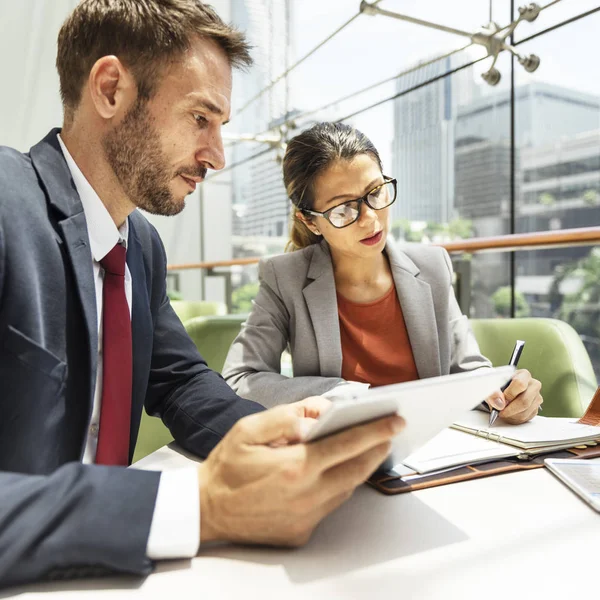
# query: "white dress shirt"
175, 528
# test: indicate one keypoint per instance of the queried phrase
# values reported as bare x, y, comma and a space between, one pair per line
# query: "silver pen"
514, 360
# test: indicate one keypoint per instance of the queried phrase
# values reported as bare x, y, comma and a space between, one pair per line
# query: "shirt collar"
102, 231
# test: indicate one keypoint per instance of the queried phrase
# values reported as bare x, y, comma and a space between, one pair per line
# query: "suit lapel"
141, 330
416, 301
49, 162
321, 301
74, 232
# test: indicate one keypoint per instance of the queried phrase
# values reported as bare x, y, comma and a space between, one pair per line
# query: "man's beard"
133, 151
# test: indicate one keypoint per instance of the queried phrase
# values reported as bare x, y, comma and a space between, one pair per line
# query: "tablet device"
582, 476
427, 406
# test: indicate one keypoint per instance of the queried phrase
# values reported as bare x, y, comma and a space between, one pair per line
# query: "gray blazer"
296, 308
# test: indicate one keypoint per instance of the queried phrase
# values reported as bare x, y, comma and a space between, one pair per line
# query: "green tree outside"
241, 298
582, 308
455, 229
591, 197
546, 199
501, 299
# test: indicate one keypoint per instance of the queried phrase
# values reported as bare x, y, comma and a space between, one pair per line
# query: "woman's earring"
317, 232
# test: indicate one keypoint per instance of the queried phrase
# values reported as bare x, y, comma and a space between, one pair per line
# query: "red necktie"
115, 413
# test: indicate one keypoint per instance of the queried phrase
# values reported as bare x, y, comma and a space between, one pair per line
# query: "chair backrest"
188, 309
213, 336
553, 353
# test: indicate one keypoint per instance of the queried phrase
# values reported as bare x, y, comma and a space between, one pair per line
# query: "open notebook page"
537, 433
452, 448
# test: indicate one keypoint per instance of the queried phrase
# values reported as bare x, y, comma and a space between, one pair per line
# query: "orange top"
375, 344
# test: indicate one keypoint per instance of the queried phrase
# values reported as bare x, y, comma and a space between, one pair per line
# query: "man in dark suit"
87, 334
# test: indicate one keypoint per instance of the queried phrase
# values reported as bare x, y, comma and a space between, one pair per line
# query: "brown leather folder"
394, 484
592, 414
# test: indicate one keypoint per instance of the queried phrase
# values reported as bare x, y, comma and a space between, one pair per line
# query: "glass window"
557, 126
471, 159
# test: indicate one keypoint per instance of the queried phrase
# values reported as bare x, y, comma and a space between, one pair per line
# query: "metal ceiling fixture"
274, 141
491, 36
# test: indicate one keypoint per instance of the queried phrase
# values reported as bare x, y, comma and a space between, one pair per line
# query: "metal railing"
585, 236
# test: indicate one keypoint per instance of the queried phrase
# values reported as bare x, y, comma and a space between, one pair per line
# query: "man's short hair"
146, 35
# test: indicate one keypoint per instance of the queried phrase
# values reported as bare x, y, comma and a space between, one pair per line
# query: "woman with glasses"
352, 307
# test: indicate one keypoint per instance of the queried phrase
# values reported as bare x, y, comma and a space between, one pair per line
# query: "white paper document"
452, 448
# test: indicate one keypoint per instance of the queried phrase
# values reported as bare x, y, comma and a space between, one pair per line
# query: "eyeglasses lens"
382, 196
344, 214
379, 198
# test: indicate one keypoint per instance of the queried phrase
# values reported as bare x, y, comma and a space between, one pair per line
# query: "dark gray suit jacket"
58, 517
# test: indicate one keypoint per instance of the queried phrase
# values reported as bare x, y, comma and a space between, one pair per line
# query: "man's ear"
307, 222
111, 86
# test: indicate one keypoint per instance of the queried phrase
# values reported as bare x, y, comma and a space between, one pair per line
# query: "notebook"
470, 441
470, 450
540, 432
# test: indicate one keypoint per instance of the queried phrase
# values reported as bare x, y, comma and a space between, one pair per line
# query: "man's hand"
261, 484
520, 401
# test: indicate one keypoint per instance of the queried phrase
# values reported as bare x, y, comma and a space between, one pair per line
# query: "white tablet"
582, 476
427, 406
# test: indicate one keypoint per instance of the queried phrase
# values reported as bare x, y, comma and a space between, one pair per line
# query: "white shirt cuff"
175, 528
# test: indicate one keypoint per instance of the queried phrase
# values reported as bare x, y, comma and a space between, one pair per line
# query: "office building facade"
423, 146
260, 205
556, 176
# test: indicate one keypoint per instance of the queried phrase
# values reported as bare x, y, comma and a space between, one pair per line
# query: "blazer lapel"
416, 301
321, 301
50, 164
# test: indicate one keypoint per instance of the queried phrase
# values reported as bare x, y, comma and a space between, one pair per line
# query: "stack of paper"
452, 448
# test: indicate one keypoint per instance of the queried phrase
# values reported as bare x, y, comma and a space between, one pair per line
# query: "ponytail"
300, 236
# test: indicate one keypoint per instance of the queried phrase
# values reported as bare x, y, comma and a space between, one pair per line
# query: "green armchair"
188, 309
554, 354
213, 336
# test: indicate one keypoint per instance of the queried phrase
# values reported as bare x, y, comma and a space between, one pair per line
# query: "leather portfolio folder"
388, 483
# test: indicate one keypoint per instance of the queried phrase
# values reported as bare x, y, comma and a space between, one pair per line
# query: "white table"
516, 536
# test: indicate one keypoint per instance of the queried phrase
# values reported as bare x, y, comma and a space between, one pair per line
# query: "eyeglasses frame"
360, 200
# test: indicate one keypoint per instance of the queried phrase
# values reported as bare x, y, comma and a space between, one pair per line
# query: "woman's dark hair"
308, 155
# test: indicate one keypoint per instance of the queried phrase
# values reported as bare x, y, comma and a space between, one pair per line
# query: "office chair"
213, 336
188, 309
553, 353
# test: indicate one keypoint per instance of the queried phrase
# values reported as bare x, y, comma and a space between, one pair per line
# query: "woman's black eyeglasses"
346, 213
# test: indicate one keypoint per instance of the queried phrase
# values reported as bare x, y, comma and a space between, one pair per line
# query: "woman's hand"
520, 401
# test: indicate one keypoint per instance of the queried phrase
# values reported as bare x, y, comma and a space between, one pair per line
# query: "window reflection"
447, 139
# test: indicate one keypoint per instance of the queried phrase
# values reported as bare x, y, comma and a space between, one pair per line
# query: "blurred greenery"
241, 298
411, 231
581, 309
546, 199
501, 300
174, 295
591, 197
